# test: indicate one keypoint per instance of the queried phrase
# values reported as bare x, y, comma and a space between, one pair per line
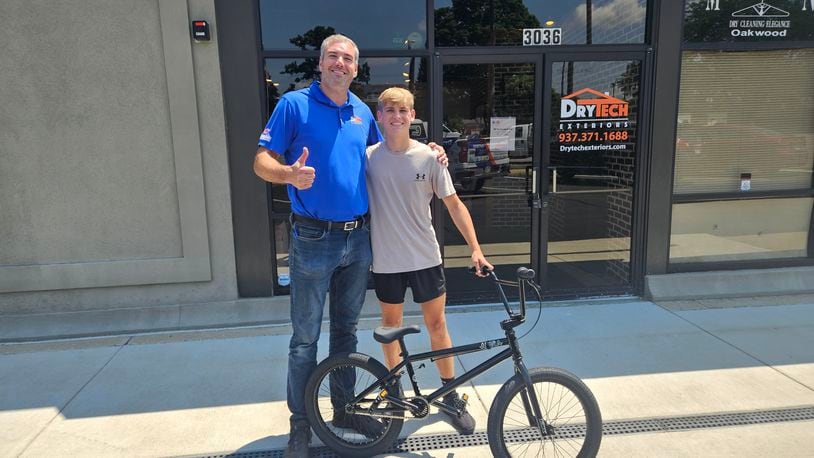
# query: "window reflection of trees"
308, 69
482, 22
500, 22
304, 70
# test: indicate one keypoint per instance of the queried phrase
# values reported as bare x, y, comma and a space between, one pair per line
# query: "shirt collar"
322, 98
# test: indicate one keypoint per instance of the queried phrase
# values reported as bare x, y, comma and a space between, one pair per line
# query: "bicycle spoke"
564, 417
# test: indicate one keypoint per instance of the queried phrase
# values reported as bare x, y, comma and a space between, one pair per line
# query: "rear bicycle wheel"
569, 409
334, 383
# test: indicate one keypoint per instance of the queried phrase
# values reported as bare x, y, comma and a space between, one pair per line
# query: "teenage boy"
402, 176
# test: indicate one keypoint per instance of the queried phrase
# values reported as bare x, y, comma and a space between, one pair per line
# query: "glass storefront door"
560, 198
489, 108
589, 157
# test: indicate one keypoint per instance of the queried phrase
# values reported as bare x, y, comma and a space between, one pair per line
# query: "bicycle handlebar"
525, 276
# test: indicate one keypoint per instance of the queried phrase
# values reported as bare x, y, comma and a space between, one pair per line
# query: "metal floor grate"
612, 428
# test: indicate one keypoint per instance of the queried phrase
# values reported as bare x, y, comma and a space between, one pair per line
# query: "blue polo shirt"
336, 137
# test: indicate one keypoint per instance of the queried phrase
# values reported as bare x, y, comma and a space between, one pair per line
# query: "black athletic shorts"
427, 284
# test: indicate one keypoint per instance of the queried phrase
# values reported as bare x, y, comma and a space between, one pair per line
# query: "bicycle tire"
319, 406
567, 405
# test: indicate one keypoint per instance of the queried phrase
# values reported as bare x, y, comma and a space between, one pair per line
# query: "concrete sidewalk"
218, 392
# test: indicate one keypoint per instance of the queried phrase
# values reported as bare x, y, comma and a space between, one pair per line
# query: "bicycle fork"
529, 397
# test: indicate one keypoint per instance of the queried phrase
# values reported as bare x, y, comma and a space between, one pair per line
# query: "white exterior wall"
114, 187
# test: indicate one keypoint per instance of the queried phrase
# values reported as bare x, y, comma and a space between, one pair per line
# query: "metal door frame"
643, 142
436, 131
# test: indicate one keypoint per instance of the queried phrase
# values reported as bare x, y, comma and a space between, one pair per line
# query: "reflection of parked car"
474, 159
574, 164
449, 136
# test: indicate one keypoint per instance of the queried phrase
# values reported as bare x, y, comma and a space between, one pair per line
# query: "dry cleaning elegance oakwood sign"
747, 20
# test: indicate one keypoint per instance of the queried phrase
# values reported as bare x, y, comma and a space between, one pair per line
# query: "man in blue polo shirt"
315, 142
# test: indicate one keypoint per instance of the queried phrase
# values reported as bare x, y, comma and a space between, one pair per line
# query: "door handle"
534, 180
526, 184
533, 196
533, 170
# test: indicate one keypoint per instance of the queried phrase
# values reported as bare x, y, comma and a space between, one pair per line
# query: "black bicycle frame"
529, 397
408, 360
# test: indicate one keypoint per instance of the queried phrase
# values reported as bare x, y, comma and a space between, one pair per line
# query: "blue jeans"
323, 261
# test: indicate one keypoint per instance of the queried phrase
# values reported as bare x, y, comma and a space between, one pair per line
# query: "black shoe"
298, 440
463, 423
363, 424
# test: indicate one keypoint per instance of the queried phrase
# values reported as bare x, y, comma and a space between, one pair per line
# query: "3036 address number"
542, 37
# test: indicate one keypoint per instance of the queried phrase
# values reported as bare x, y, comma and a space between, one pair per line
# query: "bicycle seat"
387, 335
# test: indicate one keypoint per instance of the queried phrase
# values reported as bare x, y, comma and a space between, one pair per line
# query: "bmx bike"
544, 411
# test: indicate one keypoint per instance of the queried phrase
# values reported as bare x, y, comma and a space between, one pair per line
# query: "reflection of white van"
449, 136
523, 135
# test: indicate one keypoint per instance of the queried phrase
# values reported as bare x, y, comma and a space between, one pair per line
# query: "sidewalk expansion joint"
423, 443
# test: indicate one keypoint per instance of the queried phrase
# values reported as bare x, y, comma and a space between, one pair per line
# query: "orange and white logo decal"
590, 105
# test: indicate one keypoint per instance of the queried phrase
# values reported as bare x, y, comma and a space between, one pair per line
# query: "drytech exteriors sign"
593, 120
747, 20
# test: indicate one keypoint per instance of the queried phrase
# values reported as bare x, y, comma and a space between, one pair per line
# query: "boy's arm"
463, 221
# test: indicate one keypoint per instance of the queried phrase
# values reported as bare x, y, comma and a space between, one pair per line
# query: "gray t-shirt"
400, 186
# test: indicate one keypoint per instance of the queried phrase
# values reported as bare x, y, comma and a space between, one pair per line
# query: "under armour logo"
714, 5
420, 176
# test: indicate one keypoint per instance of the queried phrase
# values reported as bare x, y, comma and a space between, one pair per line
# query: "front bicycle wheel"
572, 421
335, 382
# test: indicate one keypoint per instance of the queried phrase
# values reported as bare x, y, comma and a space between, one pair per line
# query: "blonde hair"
338, 37
396, 96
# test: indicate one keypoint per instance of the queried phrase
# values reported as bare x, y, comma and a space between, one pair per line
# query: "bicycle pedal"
465, 397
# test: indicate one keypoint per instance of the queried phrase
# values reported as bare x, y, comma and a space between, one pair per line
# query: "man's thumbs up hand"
301, 176
303, 156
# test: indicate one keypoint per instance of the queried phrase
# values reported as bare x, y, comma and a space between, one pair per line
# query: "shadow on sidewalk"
594, 341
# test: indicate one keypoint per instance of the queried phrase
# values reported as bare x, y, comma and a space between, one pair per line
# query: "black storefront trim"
741, 265
750, 195
668, 25
241, 74
747, 46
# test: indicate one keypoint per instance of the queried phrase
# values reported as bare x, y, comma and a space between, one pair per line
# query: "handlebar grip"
525, 273
484, 270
